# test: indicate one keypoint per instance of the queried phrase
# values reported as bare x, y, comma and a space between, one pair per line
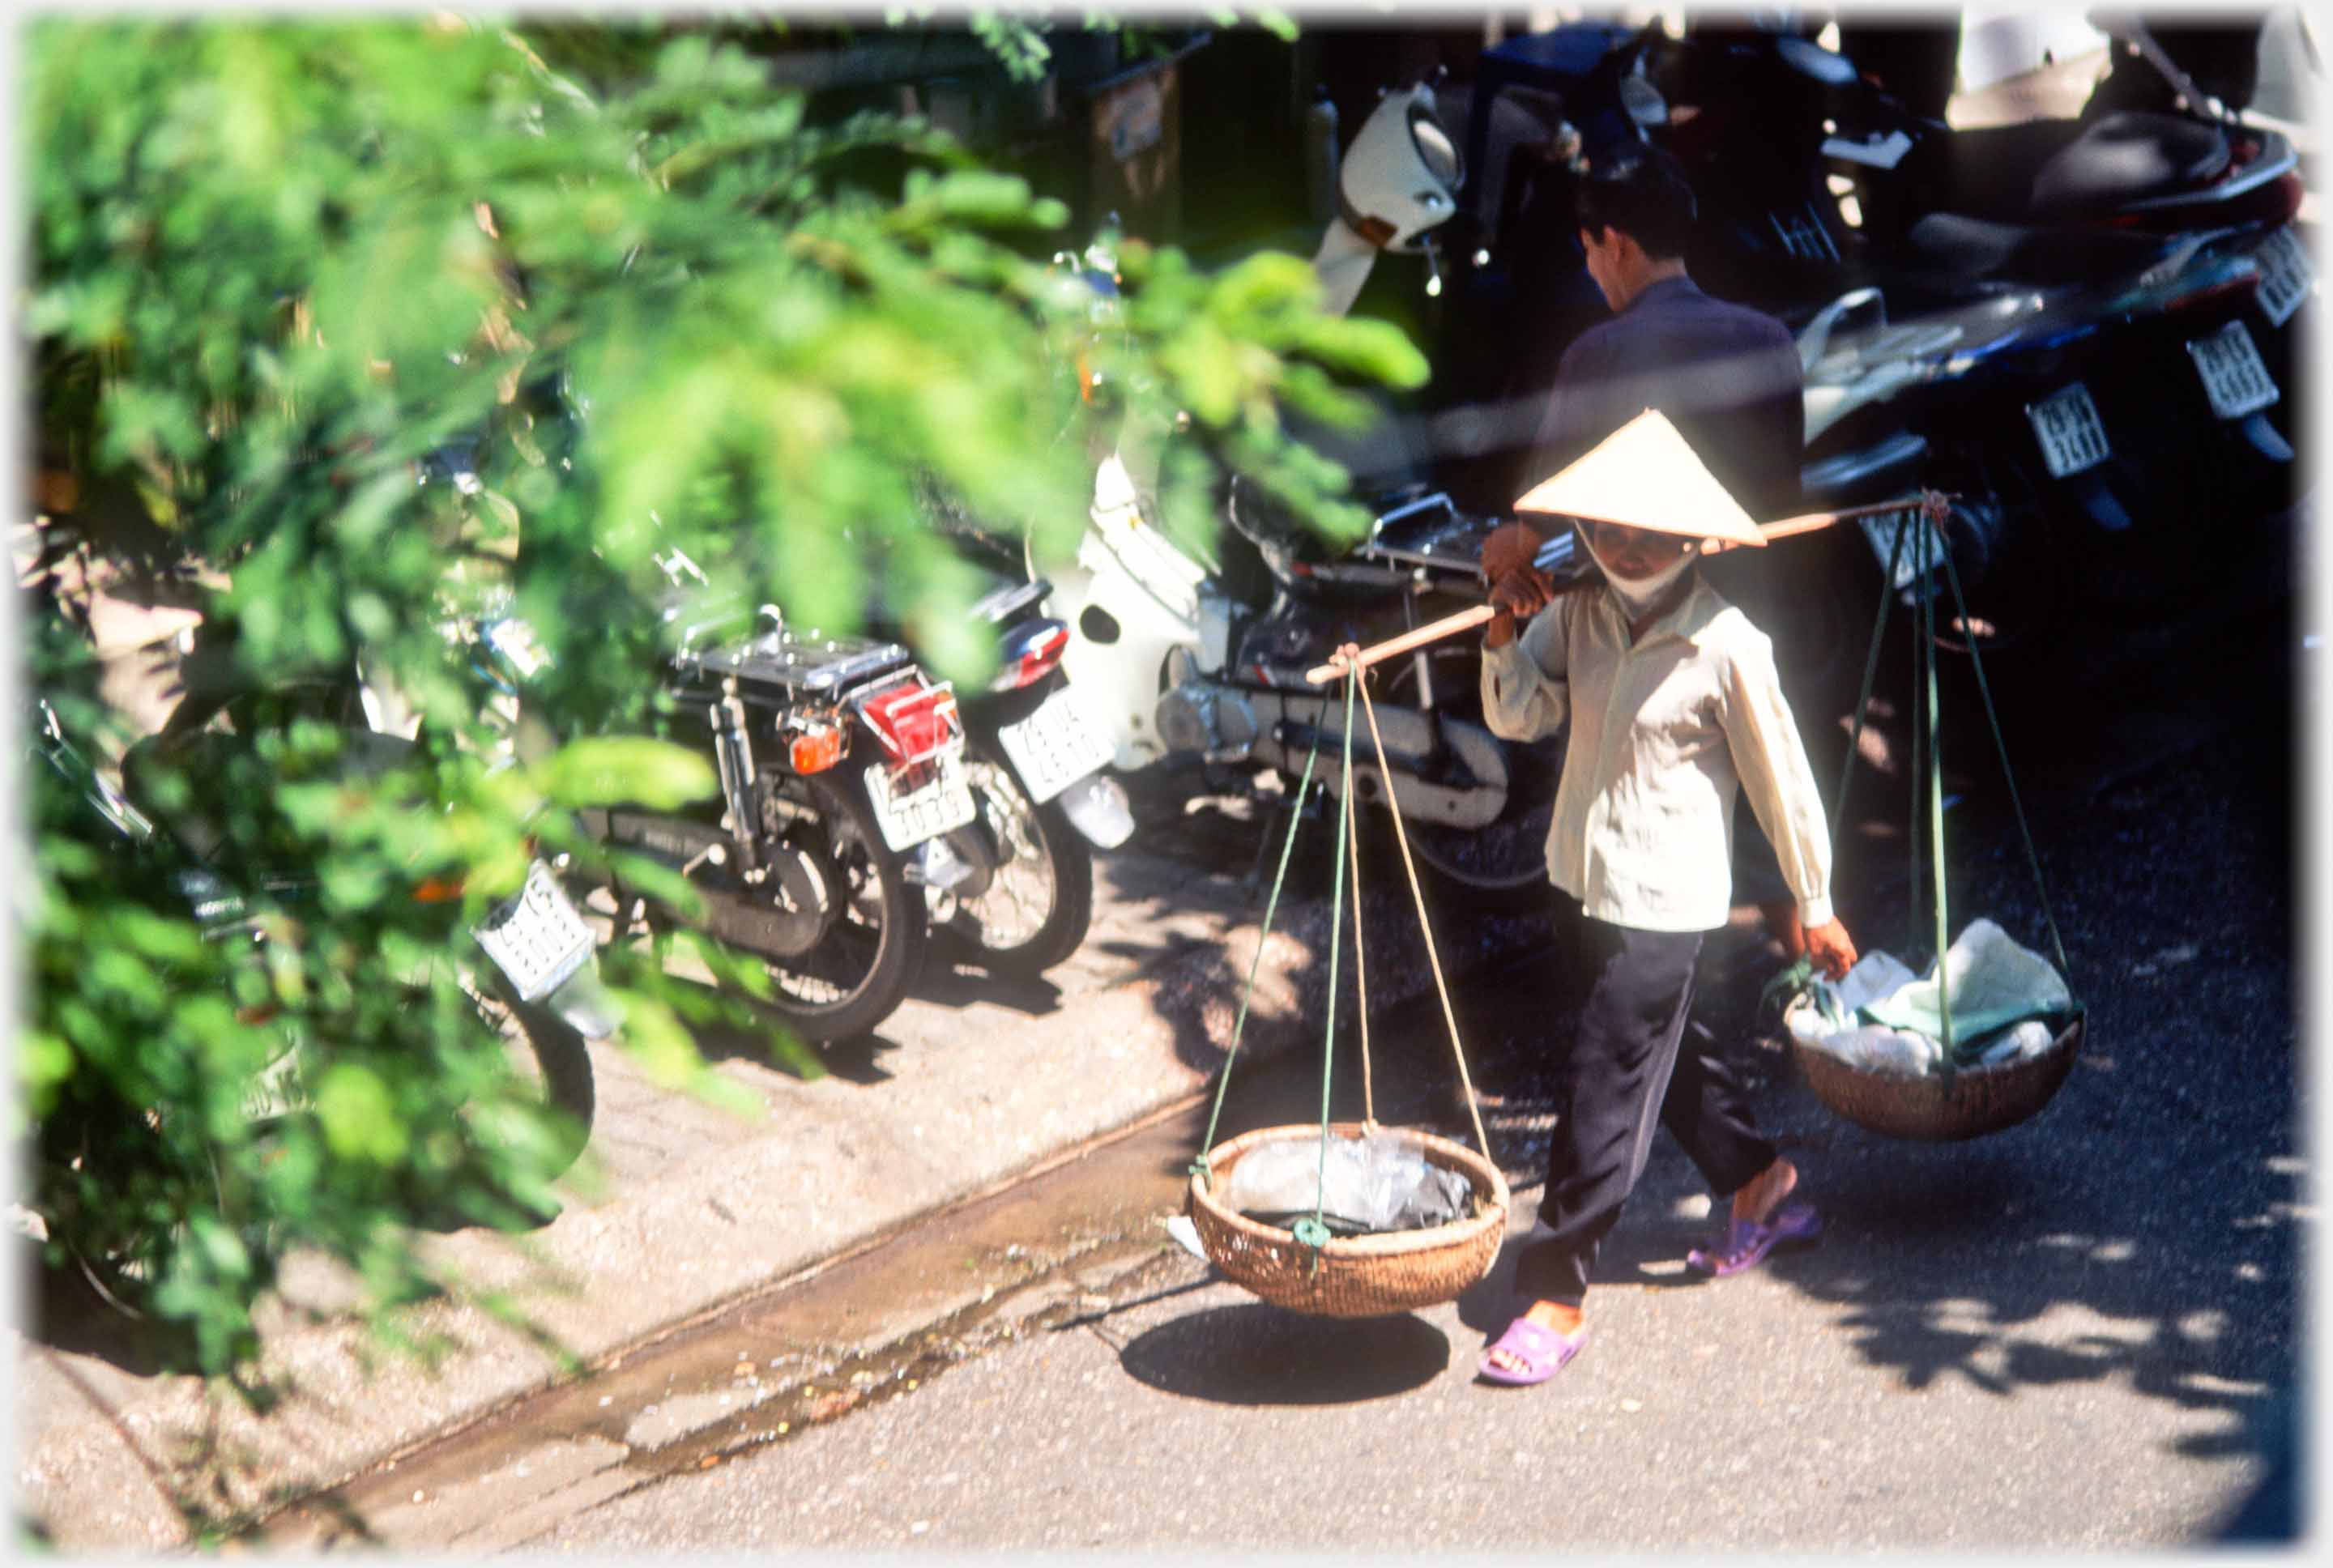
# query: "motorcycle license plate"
2234, 378
924, 800
1054, 747
2285, 275
2072, 435
278, 1089
537, 938
1880, 531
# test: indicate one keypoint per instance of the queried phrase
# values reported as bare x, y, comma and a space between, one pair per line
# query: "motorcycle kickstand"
1275, 828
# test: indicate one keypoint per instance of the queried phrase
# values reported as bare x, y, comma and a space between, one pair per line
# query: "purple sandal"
1747, 1242
1542, 1350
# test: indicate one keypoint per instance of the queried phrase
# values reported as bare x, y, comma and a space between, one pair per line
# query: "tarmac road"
2075, 1333
2082, 1332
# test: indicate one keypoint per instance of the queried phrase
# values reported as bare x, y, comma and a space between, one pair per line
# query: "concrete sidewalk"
975, 1081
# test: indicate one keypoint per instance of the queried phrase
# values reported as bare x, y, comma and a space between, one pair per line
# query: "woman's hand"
1517, 596
1511, 547
1830, 949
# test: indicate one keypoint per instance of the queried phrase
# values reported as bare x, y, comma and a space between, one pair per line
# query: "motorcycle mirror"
1643, 101
2133, 30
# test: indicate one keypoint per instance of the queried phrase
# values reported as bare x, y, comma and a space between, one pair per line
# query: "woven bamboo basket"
1355, 1275
1937, 1109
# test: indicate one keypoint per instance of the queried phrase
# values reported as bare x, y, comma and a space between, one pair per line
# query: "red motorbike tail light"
2218, 290
1031, 655
2291, 190
913, 721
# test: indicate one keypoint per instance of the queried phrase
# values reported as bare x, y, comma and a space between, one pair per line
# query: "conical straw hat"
1645, 475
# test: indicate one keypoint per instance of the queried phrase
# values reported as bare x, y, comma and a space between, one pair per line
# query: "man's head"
1636, 212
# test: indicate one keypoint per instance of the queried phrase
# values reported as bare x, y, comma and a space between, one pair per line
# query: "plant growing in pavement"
273, 266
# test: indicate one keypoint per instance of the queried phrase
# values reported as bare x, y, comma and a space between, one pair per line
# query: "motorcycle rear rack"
820, 668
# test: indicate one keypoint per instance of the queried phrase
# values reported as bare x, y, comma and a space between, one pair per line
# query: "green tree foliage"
275, 266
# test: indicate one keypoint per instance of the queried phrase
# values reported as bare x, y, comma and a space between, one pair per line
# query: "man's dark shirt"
1727, 376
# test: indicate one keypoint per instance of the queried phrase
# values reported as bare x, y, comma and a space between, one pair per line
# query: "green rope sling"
1927, 761
1312, 1232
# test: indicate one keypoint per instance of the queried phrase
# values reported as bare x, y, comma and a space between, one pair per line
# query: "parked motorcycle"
1182, 647
842, 773
527, 968
1175, 659
1010, 874
2055, 320
1034, 762
1814, 179
2093, 433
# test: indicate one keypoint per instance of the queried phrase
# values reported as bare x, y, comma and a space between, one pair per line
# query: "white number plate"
537, 939
1880, 531
936, 798
2234, 378
1874, 152
2285, 275
280, 1088
1054, 747
2072, 435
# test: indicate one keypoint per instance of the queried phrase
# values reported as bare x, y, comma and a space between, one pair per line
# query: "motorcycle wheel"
2014, 577
552, 1063
858, 975
1503, 866
1038, 902
545, 1054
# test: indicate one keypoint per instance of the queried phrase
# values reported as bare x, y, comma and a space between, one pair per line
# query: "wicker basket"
1940, 1109
1357, 1276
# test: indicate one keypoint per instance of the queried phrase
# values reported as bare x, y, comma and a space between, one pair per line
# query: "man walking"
1726, 377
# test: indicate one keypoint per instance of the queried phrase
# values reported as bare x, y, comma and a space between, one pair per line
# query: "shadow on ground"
1257, 1354
2141, 1230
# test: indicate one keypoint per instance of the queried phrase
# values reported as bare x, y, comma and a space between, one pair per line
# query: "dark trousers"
1626, 1070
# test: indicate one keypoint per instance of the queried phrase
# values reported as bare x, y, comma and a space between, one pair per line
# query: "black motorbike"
527, 969
2082, 327
842, 771
1018, 890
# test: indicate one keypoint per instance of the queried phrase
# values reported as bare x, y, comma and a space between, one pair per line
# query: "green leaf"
358, 1115
221, 1247
626, 769
42, 1062
1378, 350
670, 305
654, 1039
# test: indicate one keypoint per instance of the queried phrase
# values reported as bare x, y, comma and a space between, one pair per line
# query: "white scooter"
1167, 658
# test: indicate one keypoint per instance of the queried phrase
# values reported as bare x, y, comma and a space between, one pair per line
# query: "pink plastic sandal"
1543, 1353
1747, 1242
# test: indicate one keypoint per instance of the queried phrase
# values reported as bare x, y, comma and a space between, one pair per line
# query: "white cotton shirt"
1662, 733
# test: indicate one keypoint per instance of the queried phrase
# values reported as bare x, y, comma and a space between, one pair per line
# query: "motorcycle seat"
1972, 249
199, 812
2041, 169
2129, 156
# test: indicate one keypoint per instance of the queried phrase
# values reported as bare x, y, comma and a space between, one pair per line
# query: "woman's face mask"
1640, 566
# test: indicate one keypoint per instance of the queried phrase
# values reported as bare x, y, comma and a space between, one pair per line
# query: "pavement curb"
108, 1459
